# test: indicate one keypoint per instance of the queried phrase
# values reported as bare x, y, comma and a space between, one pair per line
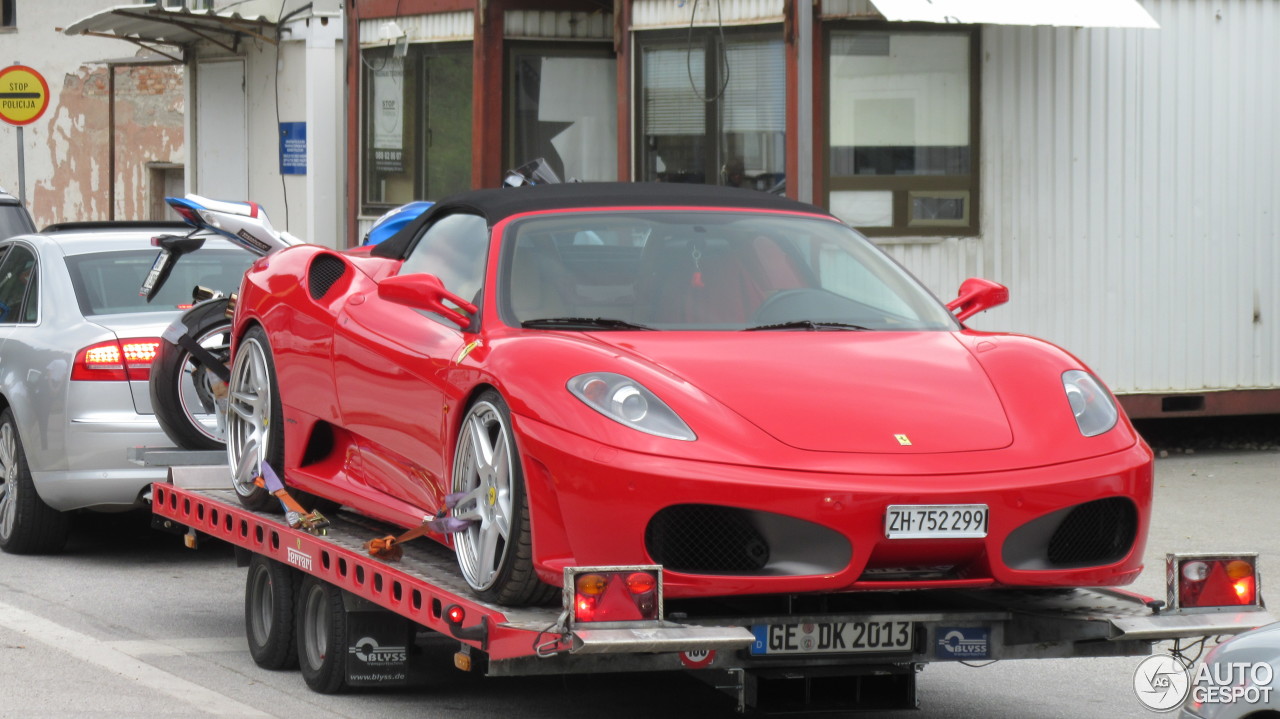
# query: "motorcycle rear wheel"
183, 393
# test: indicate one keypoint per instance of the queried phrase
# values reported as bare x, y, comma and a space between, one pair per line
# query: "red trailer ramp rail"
424, 586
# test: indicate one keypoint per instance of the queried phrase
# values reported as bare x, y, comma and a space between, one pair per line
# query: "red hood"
839, 391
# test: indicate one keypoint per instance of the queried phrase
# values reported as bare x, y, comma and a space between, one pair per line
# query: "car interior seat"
537, 277
699, 280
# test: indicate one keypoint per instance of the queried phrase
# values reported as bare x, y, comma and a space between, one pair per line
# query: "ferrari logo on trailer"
903, 440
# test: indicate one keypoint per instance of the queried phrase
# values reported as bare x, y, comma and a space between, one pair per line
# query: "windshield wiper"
808, 325
596, 322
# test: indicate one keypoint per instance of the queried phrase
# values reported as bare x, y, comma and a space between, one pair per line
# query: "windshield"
703, 270
107, 283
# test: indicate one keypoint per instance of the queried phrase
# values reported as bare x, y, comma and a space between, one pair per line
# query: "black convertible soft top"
497, 204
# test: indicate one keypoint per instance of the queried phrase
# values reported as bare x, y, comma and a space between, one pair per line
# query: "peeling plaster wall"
66, 150
148, 128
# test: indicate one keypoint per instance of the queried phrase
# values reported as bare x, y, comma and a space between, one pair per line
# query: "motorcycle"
190, 372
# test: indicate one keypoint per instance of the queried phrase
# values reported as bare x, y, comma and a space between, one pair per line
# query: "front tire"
495, 552
255, 432
27, 524
184, 393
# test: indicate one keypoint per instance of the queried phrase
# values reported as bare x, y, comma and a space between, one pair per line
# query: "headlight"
627, 402
1092, 405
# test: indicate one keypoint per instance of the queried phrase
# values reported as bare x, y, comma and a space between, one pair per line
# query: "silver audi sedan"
76, 343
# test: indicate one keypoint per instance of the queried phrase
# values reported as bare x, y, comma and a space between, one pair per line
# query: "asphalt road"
128, 623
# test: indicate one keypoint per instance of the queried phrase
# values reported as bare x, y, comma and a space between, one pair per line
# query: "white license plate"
935, 521
874, 634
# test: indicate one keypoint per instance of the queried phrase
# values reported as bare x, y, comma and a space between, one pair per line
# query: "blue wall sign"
293, 148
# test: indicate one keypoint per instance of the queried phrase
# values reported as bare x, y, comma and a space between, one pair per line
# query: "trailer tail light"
116, 360
455, 616
1197, 581
614, 594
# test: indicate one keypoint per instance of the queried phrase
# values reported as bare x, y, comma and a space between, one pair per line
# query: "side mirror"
977, 295
425, 292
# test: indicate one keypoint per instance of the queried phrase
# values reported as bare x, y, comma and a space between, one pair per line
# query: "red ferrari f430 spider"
730, 384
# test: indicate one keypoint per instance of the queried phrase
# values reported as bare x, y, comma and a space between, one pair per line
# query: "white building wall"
300, 79
1130, 191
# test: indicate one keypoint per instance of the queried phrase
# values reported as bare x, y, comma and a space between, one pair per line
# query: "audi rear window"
106, 283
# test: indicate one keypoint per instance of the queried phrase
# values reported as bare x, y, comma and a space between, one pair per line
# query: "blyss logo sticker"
963, 643
367, 650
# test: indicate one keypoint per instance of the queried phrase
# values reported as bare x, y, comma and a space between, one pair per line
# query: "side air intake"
325, 271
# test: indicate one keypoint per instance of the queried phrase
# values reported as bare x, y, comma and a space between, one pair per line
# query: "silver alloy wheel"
314, 627
8, 479
198, 387
483, 469
248, 415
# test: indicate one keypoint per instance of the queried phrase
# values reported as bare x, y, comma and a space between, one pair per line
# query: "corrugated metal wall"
656, 14
437, 27
1131, 185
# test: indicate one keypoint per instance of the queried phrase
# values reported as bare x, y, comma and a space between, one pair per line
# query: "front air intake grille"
706, 539
1095, 532
325, 271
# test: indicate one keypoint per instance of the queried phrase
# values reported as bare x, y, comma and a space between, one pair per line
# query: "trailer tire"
254, 418
27, 524
269, 605
183, 394
322, 636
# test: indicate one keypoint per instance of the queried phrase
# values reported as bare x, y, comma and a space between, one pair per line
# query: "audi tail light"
116, 360
614, 594
1199, 581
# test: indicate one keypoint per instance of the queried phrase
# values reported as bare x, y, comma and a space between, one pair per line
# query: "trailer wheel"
495, 552
27, 524
255, 432
269, 613
322, 636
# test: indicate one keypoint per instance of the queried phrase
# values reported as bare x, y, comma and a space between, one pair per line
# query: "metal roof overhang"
149, 25
1060, 13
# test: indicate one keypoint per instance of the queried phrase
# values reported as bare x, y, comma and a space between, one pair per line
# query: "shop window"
902, 131
417, 124
563, 106
712, 108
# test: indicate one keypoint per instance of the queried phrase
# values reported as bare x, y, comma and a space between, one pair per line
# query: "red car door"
394, 368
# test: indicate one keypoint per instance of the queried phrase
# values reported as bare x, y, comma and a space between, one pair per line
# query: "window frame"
514, 49
415, 64
905, 188
708, 39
